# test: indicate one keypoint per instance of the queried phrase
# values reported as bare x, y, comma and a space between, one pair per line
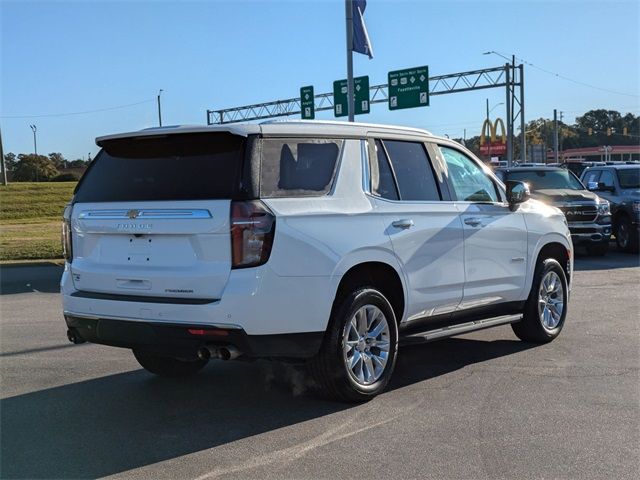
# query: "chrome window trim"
144, 214
366, 173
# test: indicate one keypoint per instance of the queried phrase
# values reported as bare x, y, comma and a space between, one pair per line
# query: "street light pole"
159, 109
35, 143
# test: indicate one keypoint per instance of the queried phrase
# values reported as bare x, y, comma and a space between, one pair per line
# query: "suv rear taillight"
67, 245
253, 227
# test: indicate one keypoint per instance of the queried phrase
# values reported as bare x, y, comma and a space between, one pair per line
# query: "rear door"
151, 216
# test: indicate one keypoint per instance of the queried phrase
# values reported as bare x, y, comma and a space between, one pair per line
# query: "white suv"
327, 242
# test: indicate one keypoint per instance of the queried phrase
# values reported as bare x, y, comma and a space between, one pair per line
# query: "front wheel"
358, 354
168, 366
546, 307
626, 236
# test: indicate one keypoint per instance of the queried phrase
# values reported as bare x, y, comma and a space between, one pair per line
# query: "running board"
453, 330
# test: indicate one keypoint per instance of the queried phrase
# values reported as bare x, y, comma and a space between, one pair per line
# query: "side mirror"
517, 192
605, 188
592, 186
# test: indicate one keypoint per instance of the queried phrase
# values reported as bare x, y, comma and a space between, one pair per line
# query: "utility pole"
508, 75
35, 144
523, 139
348, 5
4, 166
560, 141
555, 135
159, 109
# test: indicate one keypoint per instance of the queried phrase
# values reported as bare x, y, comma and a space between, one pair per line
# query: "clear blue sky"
60, 57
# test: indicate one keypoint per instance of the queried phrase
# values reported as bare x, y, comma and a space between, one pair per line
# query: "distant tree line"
29, 167
594, 128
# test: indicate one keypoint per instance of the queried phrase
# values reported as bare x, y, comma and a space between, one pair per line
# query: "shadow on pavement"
116, 423
30, 278
613, 259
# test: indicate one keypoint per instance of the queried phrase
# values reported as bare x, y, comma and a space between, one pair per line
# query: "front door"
495, 238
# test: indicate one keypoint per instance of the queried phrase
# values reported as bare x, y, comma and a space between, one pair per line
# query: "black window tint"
165, 167
296, 167
382, 182
607, 178
413, 170
629, 178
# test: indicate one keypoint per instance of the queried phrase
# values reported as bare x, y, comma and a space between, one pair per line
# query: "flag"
361, 42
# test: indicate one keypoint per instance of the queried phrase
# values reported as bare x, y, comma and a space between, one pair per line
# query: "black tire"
531, 328
168, 366
599, 250
626, 235
328, 368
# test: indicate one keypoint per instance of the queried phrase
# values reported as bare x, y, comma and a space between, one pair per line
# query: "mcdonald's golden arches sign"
490, 143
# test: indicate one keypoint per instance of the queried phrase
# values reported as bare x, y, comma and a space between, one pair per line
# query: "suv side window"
470, 183
413, 171
591, 176
298, 167
383, 183
607, 178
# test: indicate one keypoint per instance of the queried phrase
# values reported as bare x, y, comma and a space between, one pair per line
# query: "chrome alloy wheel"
550, 300
365, 344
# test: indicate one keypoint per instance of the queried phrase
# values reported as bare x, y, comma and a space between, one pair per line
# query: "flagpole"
348, 4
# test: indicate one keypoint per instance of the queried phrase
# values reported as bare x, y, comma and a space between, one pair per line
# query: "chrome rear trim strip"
144, 214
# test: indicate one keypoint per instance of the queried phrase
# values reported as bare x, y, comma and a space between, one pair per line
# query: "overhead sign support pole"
348, 5
493, 77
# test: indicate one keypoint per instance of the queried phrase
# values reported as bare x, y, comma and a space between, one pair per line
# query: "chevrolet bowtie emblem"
133, 213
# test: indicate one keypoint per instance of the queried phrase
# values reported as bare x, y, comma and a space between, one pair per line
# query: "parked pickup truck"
588, 214
620, 185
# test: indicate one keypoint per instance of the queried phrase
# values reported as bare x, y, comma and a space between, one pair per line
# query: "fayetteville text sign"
409, 88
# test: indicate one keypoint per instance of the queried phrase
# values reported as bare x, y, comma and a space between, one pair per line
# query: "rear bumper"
177, 340
255, 300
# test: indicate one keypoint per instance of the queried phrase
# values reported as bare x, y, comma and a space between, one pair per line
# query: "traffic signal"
609, 132
590, 131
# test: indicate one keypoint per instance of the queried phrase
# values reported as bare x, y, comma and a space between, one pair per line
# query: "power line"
563, 77
79, 113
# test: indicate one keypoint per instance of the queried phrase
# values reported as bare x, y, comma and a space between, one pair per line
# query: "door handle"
474, 222
404, 223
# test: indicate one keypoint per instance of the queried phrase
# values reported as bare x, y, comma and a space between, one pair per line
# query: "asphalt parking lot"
484, 405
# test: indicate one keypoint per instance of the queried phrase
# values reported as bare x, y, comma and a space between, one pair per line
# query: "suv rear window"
194, 166
298, 167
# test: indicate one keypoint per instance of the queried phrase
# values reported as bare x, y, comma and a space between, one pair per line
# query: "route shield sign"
307, 103
361, 96
409, 88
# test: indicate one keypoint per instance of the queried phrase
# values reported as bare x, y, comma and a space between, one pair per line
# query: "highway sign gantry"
307, 103
409, 88
361, 96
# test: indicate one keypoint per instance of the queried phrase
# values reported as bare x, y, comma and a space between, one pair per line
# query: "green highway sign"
361, 96
409, 88
307, 103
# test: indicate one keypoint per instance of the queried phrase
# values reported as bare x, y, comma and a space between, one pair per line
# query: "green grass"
30, 217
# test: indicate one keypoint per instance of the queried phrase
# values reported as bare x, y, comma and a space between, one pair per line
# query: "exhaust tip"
204, 354
229, 353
